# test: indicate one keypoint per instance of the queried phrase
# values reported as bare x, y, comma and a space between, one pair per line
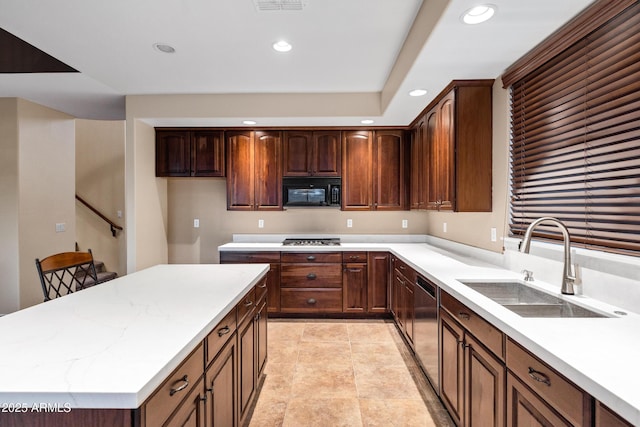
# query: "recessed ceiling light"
249, 122
366, 121
418, 92
478, 14
282, 46
164, 48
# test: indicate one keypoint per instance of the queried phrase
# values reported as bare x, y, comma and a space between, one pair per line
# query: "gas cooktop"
312, 242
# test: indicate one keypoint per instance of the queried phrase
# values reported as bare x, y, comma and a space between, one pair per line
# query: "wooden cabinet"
312, 153
404, 279
605, 417
221, 383
354, 282
247, 363
378, 277
254, 176
191, 412
538, 395
473, 374
452, 150
190, 153
273, 276
311, 282
374, 175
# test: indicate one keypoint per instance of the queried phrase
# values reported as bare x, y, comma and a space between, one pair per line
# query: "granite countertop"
598, 354
112, 345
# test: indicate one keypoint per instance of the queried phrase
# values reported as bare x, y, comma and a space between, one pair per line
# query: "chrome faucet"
568, 277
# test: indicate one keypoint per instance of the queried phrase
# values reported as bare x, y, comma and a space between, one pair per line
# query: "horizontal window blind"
575, 140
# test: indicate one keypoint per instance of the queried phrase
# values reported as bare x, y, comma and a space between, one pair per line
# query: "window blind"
575, 139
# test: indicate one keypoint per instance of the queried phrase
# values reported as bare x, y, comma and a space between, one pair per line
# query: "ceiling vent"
263, 5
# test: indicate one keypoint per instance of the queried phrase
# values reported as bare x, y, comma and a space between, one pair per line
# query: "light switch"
494, 235
61, 227
261, 223
405, 223
444, 227
349, 223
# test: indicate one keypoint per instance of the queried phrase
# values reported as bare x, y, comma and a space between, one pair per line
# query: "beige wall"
474, 229
100, 181
205, 199
9, 268
46, 166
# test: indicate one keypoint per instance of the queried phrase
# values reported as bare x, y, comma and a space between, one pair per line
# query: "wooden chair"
65, 273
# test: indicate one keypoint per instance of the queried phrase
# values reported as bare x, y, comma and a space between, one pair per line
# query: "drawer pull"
354, 257
311, 301
311, 258
248, 303
185, 384
224, 331
401, 267
539, 376
464, 316
262, 286
311, 276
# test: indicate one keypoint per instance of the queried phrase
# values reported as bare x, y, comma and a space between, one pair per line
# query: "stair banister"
114, 227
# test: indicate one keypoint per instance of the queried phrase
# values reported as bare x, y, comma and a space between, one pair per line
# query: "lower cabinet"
378, 267
191, 412
221, 384
403, 295
354, 282
472, 385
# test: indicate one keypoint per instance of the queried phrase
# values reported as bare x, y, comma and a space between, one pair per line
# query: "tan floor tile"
285, 331
385, 382
395, 413
323, 382
282, 351
269, 412
376, 354
316, 412
325, 353
325, 332
369, 332
283, 368
277, 386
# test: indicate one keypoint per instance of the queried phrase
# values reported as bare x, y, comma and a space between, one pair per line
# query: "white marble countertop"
598, 354
110, 346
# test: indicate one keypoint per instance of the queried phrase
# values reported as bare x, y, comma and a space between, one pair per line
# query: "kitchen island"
596, 354
111, 346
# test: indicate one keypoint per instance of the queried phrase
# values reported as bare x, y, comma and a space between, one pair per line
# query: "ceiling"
381, 47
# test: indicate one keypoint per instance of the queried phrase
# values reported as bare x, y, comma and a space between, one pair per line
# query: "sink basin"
526, 301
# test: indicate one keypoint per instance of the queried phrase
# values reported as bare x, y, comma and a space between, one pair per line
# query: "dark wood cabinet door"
605, 417
356, 170
526, 409
297, 148
484, 386
240, 170
221, 383
268, 170
273, 289
389, 171
247, 364
191, 412
451, 366
354, 288
327, 154
409, 309
445, 152
431, 145
173, 153
419, 165
261, 337
207, 153
377, 282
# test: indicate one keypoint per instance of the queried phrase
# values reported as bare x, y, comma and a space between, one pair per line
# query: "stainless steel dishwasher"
425, 333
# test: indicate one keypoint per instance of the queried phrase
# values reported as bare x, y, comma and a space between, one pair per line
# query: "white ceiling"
224, 47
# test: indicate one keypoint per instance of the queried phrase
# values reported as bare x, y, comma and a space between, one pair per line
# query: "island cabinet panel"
169, 397
221, 384
184, 152
550, 390
605, 417
247, 365
74, 418
191, 412
311, 153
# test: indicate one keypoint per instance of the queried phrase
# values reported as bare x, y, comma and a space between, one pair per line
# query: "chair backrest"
65, 273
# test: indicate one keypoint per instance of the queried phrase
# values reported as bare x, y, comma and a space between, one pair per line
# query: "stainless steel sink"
529, 302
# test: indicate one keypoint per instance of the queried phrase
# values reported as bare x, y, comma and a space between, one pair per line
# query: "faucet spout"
568, 277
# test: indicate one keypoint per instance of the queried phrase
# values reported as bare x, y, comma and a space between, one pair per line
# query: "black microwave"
311, 191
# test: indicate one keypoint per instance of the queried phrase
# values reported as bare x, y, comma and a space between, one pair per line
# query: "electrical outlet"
405, 223
261, 223
349, 223
196, 223
61, 227
444, 227
494, 235
119, 214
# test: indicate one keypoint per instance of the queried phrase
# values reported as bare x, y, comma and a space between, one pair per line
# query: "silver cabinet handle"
248, 303
224, 331
539, 376
311, 276
311, 301
185, 384
311, 258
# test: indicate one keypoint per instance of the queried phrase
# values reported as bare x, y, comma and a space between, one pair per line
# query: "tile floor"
342, 373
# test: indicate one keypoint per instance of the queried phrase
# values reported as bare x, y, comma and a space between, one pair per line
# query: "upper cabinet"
312, 153
374, 176
452, 149
254, 162
190, 153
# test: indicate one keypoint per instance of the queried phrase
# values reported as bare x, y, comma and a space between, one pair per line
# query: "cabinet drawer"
405, 270
565, 397
249, 257
308, 257
220, 335
486, 333
311, 300
358, 257
174, 389
247, 304
311, 276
